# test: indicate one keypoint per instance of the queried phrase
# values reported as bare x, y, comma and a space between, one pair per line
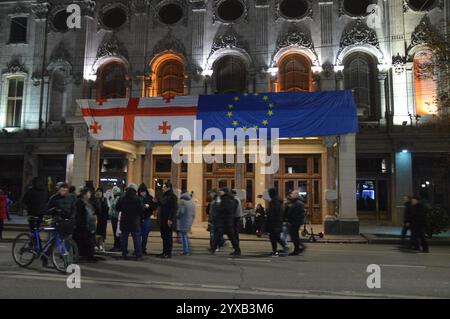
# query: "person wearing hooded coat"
185, 218
296, 218
132, 212
168, 207
149, 207
225, 221
35, 200
275, 221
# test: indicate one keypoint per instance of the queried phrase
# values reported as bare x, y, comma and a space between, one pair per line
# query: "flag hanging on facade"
139, 119
295, 114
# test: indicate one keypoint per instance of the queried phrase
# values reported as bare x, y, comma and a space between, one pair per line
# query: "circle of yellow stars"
269, 113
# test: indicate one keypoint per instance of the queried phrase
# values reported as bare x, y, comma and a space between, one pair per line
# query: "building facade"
164, 48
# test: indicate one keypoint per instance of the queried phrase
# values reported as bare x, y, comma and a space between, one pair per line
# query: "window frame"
5, 98
220, 63
10, 21
282, 74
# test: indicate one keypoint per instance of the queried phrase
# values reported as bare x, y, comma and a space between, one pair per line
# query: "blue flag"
295, 114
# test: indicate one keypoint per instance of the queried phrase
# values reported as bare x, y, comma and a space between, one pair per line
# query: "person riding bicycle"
61, 203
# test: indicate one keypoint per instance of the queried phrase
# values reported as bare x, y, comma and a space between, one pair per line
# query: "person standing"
225, 223
101, 211
114, 216
149, 207
274, 221
418, 224
213, 218
4, 214
237, 222
132, 211
260, 219
168, 207
406, 218
35, 200
62, 202
249, 218
85, 225
185, 218
295, 218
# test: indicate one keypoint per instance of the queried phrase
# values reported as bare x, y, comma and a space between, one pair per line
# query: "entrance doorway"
372, 198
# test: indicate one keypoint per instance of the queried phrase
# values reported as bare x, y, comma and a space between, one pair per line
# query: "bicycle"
29, 246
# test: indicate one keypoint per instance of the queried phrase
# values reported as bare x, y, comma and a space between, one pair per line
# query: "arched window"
295, 74
112, 81
359, 76
424, 83
230, 74
170, 75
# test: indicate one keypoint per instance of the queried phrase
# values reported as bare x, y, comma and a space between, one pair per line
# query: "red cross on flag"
139, 119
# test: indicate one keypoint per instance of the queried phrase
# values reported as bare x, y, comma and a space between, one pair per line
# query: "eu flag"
295, 114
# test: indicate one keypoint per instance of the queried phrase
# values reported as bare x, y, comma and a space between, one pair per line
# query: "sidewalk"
369, 234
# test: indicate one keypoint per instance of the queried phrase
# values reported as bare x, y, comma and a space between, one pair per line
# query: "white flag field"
139, 119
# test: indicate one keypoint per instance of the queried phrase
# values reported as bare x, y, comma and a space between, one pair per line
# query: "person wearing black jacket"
35, 200
275, 221
85, 225
406, 218
132, 211
168, 207
149, 207
295, 218
418, 224
225, 221
101, 210
62, 203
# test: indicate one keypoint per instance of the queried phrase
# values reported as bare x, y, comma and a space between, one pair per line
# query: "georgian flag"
139, 119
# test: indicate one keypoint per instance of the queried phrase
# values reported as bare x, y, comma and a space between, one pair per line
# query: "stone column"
381, 81
148, 164
330, 142
239, 174
30, 167
348, 222
94, 168
195, 184
339, 80
175, 175
131, 158
80, 155
137, 170
260, 183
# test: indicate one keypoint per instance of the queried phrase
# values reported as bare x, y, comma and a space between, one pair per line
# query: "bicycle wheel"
64, 255
23, 251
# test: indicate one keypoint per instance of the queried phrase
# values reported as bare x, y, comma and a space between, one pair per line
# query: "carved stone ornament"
111, 47
438, 3
40, 10
139, 7
216, 17
327, 69
398, 63
20, 9
278, 14
87, 7
295, 37
358, 33
60, 53
420, 33
198, 5
169, 43
15, 66
424, 66
229, 39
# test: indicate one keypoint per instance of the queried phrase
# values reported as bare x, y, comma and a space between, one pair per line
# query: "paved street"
324, 270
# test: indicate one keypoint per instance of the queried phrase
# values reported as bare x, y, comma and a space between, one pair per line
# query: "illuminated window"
295, 74
14, 103
359, 76
170, 78
424, 83
230, 75
112, 81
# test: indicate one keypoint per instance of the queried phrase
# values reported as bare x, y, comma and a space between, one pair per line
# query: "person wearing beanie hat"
133, 186
114, 216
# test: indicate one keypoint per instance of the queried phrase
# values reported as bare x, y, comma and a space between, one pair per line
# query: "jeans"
137, 242
145, 229
212, 231
185, 242
295, 237
227, 229
284, 233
